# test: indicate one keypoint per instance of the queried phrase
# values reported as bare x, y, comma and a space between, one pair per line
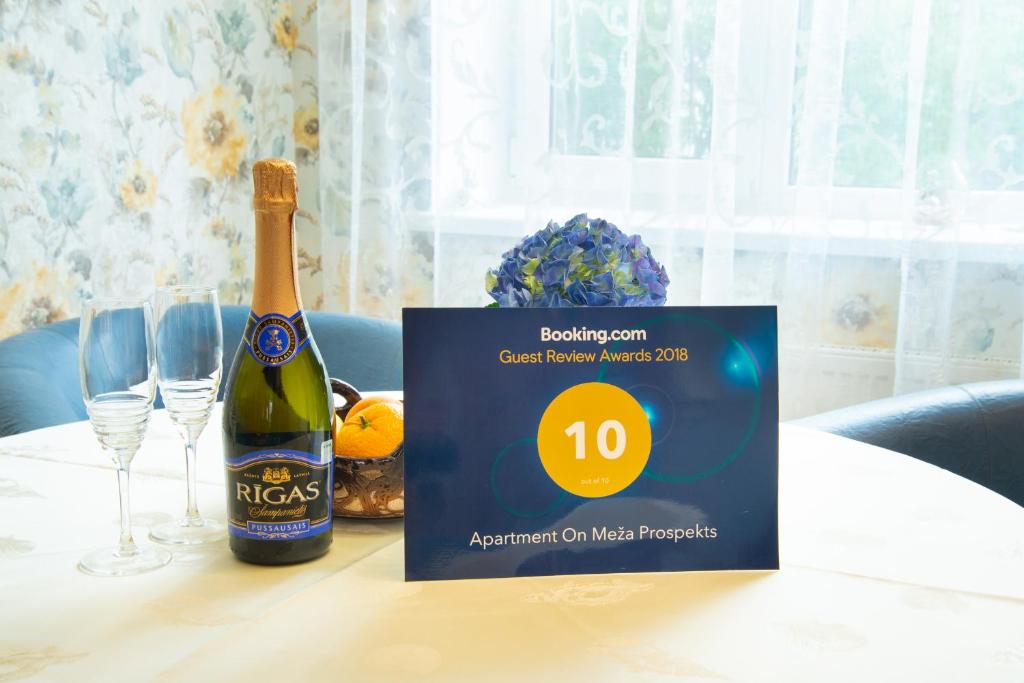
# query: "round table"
892, 570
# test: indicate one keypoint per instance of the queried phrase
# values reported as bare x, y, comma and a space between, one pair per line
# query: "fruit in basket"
371, 400
372, 429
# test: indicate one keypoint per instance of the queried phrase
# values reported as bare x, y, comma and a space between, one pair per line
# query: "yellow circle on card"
594, 439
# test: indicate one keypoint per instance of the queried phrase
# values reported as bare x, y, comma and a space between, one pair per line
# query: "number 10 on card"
594, 439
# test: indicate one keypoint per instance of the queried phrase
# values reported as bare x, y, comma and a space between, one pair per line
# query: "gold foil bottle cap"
274, 185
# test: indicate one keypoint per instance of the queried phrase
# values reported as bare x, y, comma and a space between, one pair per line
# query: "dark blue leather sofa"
974, 430
39, 384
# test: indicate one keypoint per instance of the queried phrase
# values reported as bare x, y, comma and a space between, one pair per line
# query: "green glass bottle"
278, 403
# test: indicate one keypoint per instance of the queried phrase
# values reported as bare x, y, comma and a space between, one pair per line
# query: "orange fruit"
373, 432
369, 401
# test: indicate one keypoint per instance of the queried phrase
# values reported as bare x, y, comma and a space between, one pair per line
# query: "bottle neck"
276, 283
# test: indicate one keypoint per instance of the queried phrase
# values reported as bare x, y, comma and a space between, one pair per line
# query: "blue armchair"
39, 384
974, 430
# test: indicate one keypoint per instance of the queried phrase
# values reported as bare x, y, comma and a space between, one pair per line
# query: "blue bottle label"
274, 339
279, 495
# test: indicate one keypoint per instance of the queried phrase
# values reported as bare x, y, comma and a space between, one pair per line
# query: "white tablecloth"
893, 570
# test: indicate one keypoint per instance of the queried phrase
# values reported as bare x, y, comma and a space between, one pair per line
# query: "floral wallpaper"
128, 135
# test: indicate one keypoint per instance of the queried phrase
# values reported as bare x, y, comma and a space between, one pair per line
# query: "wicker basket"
368, 488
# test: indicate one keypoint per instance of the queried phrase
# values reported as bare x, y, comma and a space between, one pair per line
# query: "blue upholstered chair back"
39, 368
974, 430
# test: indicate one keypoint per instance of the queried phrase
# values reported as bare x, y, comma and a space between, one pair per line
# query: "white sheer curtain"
858, 164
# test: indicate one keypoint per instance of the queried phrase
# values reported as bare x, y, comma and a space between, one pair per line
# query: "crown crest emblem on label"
276, 475
274, 339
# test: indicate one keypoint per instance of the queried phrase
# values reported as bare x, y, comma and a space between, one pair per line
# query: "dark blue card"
590, 440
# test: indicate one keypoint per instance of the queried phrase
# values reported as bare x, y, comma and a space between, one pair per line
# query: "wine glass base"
184, 532
114, 562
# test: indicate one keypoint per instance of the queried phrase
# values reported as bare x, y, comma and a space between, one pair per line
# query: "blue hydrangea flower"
586, 262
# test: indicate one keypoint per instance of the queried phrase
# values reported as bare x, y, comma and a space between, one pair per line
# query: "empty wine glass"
118, 372
189, 346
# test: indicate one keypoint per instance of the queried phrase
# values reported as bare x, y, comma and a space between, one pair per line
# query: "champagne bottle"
278, 403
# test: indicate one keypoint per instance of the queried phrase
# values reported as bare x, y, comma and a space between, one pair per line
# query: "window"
664, 73
848, 111
922, 97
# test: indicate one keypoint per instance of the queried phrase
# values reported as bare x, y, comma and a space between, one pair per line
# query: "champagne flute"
189, 346
118, 373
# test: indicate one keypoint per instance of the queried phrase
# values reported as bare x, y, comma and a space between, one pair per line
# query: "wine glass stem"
126, 544
192, 512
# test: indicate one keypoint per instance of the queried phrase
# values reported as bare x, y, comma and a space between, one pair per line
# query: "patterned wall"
127, 140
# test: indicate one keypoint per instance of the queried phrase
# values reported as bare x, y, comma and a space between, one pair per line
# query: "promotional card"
590, 440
